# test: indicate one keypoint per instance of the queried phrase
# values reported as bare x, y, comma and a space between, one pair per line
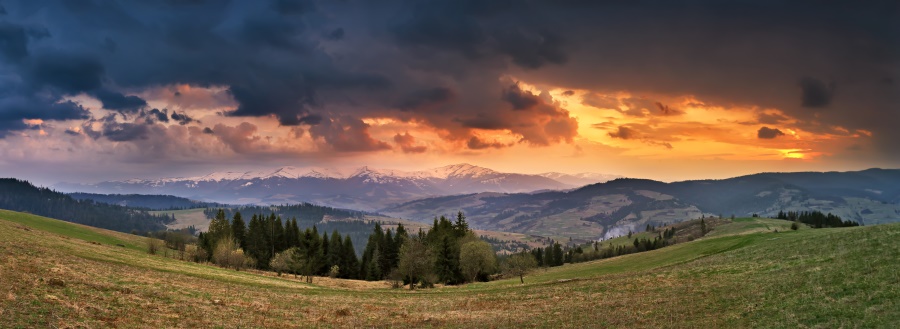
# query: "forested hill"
20, 195
152, 202
307, 214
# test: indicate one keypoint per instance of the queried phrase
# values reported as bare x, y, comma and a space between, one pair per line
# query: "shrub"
153, 245
228, 255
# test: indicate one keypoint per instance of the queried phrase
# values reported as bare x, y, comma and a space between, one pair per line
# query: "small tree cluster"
265, 237
449, 253
816, 219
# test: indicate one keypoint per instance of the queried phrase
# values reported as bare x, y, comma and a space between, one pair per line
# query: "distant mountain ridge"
613, 208
365, 188
580, 179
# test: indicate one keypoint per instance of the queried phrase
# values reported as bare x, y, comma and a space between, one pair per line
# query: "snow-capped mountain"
364, 188
580, 179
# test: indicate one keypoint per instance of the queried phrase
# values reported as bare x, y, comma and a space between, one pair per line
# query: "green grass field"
819, 278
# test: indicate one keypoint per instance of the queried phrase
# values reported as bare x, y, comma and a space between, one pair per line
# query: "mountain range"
365, 188
613, 208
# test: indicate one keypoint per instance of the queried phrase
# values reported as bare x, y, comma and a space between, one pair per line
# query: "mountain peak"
460, 170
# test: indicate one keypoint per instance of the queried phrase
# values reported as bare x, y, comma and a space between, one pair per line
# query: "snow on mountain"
580, 179
461, 170
365, 188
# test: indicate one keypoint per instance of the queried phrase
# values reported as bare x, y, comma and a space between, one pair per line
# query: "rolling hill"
58, 274
152, 202
20, 195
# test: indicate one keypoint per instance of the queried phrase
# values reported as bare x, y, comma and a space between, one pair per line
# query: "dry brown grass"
108, 286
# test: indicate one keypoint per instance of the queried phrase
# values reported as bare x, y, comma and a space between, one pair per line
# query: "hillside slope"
61, 274
20, 195
613, 208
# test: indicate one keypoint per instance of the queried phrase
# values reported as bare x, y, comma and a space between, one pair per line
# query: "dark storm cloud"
815, 92
70, 73
476, 143
14, 108
181, 118
116, 101
125, 131
335, 34
480, 30
294, 7
421, 99
347, 134
159, 115
728, 53
13, 42
276, 58
768, 133
519, 99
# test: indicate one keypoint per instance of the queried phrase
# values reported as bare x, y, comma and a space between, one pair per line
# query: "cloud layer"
258, 77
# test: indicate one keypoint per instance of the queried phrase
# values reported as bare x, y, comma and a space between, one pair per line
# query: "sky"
667, 90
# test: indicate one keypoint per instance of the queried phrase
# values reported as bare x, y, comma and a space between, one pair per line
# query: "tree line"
20, 195
557, 254
816, 219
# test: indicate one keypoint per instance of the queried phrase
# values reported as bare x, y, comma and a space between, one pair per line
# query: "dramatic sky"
670, 90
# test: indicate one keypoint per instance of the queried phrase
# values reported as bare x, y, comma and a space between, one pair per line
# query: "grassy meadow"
57, 274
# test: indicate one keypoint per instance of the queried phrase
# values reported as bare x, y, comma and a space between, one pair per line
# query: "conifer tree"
557, 254
335, 250
278, 235
446, 264
258, 245
238, 230
219, 228
461, 227
349, 262
388, 252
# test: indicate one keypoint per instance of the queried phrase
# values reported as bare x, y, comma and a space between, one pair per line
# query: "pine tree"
557, 255
349, 262
335, 250
373, 246
258, 245
238, 230
389, 253
278, 235
373, 271
461, 227
538, 254
219, 228
447, 262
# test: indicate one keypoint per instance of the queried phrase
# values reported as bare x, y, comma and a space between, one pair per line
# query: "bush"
153, 246
228, 255
794, 226
195, 253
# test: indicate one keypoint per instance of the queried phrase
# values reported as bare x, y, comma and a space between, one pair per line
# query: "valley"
505, 202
